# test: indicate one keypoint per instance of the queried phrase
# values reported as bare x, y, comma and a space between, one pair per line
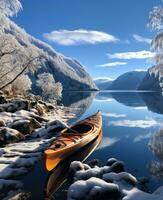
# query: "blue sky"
99, 33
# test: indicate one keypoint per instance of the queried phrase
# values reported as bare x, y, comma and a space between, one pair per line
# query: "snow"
91, 187
104, 183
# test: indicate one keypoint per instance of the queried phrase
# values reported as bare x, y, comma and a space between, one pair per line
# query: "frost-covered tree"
22, 85
50, 88
156, 23
8, 8
15, 60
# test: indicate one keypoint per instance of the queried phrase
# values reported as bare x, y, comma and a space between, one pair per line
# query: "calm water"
132, 124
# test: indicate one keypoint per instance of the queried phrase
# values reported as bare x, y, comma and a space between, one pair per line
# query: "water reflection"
156, 146
59, 174
153, 101
127, 98
140, 100
81, 101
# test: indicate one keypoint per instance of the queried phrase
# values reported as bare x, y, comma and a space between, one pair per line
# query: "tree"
8, 8
50, 89
156, 23
22, 84
15, 60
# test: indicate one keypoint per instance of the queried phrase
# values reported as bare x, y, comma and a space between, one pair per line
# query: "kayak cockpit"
79, 129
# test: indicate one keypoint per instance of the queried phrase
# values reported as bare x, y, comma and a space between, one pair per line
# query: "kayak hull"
69, 142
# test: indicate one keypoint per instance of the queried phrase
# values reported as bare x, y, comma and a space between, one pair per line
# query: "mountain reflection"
151, 100
80, 101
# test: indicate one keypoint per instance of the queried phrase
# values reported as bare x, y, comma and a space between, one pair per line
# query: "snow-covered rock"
8, 135
109, 185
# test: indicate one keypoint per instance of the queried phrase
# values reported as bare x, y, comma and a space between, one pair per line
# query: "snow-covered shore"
107, 182
26, 129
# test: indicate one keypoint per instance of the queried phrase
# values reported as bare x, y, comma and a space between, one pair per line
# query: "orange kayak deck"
70, 140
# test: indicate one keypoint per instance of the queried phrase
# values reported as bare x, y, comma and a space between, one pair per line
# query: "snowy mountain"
128, 81
103, 83
66, 70
153, 79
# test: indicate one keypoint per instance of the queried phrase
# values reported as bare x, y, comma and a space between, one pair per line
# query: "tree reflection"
156, 146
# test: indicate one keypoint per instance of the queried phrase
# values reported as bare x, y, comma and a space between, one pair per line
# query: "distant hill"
103, 83
128, 81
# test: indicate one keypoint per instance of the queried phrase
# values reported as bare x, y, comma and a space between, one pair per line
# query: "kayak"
72, 139
60, 174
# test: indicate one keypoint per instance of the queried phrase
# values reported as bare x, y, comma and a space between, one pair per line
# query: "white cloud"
104, 100
141, 108
106, 142
112, 64
132, 55
139, 138
115, 115
103, 79
140, 70
79, 36
139, 38
146, 123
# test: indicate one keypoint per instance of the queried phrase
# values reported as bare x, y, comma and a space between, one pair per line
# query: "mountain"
128, 81
153, 79
66, 70
103, 83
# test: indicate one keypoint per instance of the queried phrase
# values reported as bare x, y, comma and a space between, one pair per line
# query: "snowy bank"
107, 182
27, 128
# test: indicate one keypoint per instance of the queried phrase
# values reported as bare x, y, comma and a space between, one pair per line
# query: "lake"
132, 132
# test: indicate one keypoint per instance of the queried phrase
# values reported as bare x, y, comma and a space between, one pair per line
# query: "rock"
55, 126
39, 118
26, 126
2, 123
8, 135
2, 99
94, 163
117, 167
1, 92
21, 196
22, 104
41, 108
143, 180
51, 106
111, 161
35, 123
23, 126
11, 108
33, 104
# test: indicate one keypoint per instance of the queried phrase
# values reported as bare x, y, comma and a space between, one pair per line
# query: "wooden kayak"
72, 139
59, 175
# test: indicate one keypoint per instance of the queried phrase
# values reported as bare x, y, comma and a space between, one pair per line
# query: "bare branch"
21, 72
